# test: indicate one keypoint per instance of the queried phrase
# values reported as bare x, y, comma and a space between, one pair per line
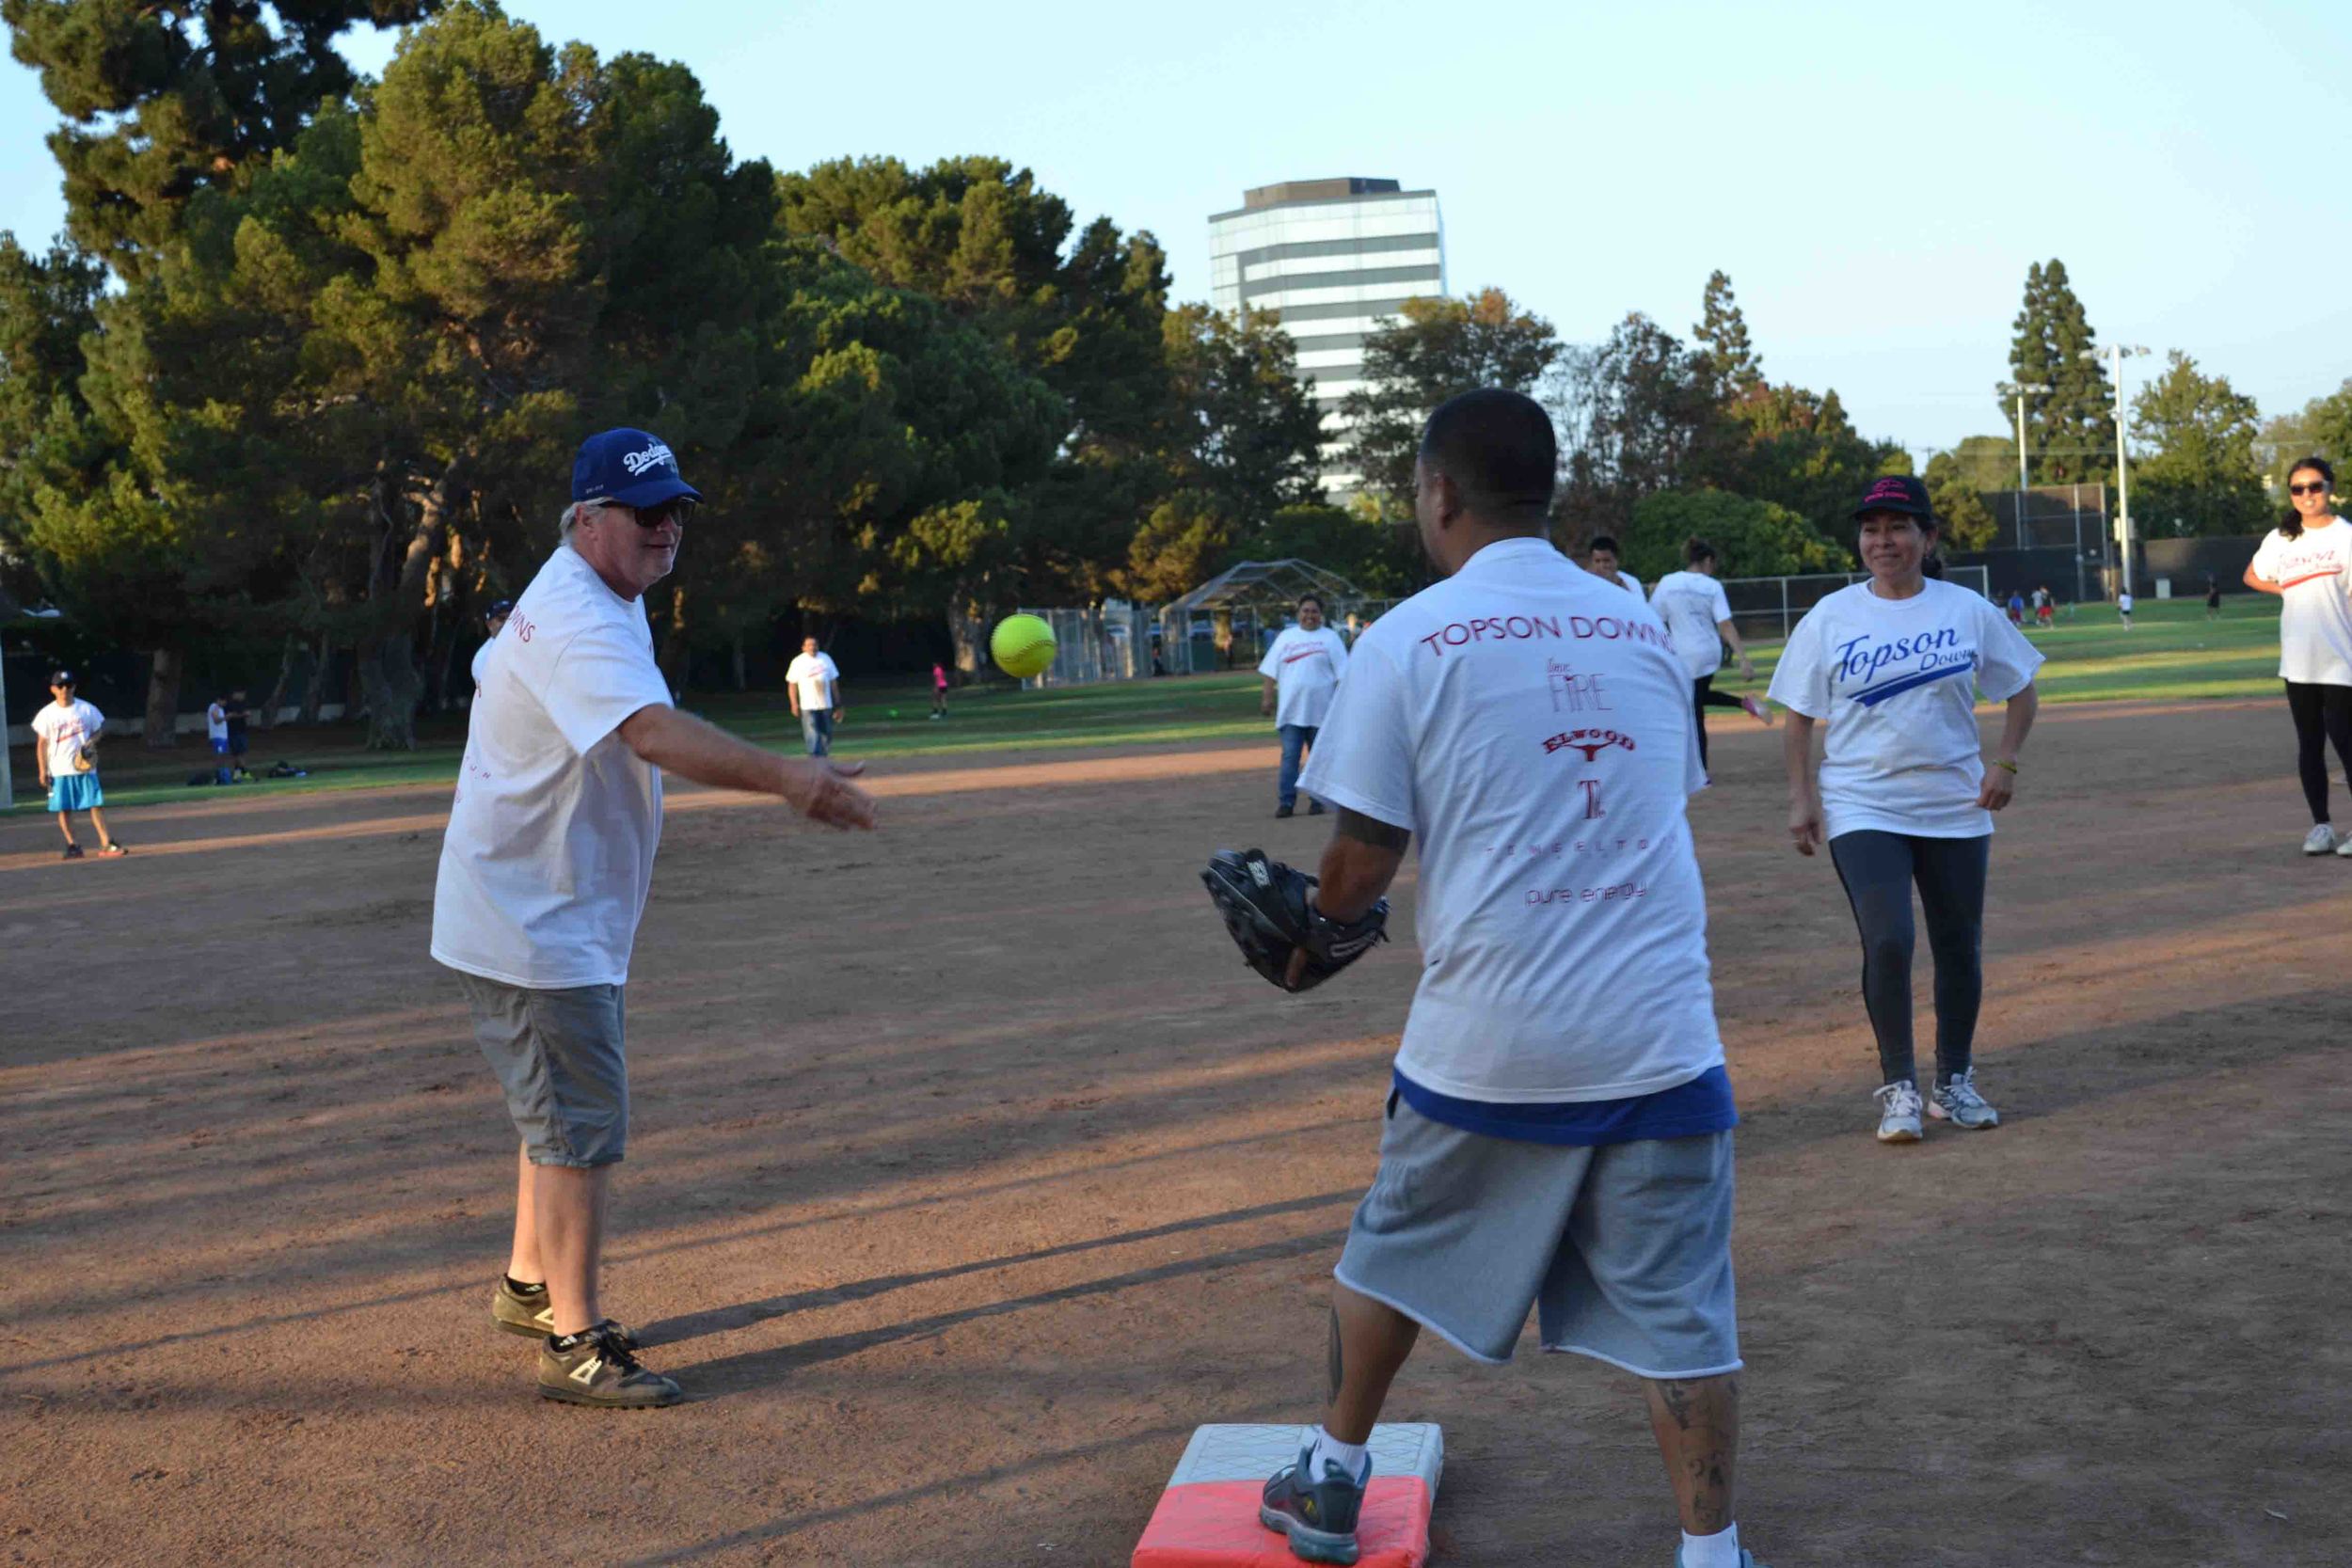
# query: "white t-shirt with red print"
1530, 723
2314, 570
1305, 667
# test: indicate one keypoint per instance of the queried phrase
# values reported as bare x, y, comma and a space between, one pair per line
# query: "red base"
1214, 1524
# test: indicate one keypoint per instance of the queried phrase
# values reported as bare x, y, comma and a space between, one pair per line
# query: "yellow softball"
1021, 645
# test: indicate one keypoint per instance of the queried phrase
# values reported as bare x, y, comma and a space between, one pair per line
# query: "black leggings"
2321, 713
1704, 696
1878, 869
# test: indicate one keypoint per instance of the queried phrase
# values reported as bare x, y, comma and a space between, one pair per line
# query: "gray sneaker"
2321, 840
1898, 1111
599, 1371
1956, 1101
535, 1315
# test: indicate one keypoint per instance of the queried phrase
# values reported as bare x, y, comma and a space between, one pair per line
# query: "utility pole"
2122, 480
2020, 389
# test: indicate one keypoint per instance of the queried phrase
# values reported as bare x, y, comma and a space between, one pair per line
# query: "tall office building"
1333, 257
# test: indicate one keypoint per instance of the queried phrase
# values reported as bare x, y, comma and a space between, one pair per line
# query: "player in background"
2213, 598
2016, 609
1904, 795
1694, 606
1600, 559
61, 731
2044, 607
2123, 607
939, 690
1296, 678
544, 874
217, 733
1549, 1143
814, 682
2307, 562
493, 623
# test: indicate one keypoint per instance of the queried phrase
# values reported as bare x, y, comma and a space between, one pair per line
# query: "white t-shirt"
1897, 679
813, 676
1624, 579
64, 730
1691, 604
549, 850
216, 723
2123, 603
2315, 610
1305, 668
1531, 727
481, 662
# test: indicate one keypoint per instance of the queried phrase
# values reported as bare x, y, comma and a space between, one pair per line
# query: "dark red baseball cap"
1896, 493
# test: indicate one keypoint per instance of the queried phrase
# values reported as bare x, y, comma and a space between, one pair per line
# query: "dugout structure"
1226, 622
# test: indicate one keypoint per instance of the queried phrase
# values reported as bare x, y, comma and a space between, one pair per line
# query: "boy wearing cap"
63, 733
493, 623
545, 871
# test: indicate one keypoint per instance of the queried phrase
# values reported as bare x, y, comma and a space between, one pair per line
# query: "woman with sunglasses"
2307, 562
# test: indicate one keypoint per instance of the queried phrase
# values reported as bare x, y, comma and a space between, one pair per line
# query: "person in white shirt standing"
544, 874
1299, 672
1695, 608
1600, 559
1552, 1141
2307, 562
1904, 795
65, 742
493, 623
216, 731
814, 683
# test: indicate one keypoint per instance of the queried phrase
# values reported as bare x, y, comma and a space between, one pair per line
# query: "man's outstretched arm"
680, 743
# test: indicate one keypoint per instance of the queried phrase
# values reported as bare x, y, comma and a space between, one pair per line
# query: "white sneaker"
2321, 839
2344, 846
1958, 1102
1898, 1111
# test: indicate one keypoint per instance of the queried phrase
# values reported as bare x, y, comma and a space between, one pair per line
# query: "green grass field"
2173, 652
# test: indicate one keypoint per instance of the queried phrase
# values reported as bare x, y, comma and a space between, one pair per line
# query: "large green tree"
1640, 413
2069, 430
1436, 349
1754, 538
2198, 474
1723, 338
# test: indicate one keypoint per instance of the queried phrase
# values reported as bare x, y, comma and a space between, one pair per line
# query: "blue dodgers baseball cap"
634, 467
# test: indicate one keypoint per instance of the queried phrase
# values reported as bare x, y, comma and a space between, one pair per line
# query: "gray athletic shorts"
558, 1055
1624, 1249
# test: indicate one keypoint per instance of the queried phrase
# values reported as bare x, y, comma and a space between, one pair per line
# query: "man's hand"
1805, 824
1747, 668
819, 789
2000, 784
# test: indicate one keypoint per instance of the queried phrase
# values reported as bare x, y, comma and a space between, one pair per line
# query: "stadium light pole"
2123, 480
2021, 389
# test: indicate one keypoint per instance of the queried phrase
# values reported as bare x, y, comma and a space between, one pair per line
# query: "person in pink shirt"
939, 690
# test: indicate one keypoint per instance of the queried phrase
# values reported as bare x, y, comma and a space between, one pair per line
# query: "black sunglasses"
679, 510
2319, 489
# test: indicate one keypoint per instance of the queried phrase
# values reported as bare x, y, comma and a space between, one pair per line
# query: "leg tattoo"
1337, 1360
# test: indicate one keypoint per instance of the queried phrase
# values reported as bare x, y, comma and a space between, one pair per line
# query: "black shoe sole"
1318, 1547
564, 1396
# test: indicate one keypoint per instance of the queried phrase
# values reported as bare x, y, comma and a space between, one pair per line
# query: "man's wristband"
2000, 763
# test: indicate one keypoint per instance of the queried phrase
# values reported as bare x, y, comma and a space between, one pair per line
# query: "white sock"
1349, 1457
1720, 1550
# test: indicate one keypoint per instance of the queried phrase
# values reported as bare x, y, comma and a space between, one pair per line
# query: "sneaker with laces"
1956, 1101
1319, 1518
2321, 840
1898, 1111
535, 1315
599, 1369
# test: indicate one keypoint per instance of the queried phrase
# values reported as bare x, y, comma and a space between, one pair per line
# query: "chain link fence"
1112, 642
1765, 609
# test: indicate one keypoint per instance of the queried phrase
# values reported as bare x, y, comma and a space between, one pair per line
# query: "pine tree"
2069, 430
1723, 336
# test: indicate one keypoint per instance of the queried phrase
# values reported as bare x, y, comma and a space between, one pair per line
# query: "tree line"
308, 364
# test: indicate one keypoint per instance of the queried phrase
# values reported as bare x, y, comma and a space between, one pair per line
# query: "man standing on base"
544, 874
1559, 1127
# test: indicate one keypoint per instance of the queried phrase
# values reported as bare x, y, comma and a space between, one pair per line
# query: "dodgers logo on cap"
634, 467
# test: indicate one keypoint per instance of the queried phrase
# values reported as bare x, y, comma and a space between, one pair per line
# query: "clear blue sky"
1874, 180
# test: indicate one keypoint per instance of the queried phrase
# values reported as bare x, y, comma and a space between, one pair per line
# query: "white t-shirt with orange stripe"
2316, 619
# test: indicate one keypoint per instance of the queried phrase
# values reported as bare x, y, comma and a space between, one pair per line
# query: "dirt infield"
971, 1171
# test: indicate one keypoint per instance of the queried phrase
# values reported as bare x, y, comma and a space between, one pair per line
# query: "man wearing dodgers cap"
544, 874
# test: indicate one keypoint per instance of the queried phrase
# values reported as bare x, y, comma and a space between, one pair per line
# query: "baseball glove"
1270, 913
86, 757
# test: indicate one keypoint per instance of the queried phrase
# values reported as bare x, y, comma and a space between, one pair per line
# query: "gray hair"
572, 515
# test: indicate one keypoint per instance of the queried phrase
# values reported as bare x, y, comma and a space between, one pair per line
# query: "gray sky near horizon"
1875, 179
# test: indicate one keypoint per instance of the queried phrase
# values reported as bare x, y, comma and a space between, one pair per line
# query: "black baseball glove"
1269, 912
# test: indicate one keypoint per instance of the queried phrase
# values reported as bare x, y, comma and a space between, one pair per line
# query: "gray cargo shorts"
558, 1056
1622, 1249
